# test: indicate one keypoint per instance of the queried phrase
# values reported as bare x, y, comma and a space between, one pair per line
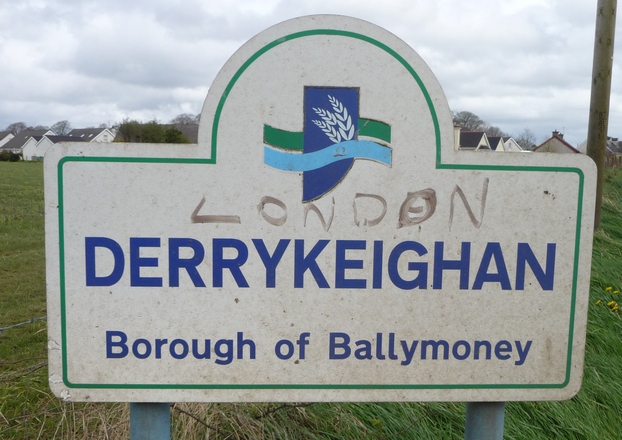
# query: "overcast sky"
516, 64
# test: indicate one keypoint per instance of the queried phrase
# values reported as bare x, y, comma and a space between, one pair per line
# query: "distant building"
37, 146
555, 144
479, 141
614, 146
23, 139
92, 134
496, 143
470, 140
5, 136
509, 144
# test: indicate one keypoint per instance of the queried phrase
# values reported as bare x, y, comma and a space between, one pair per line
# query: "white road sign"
323, 241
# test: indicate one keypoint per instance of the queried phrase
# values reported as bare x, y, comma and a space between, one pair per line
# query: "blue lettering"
136, 345
173, 348
90, 243
120, 344
289, 346
487, 346
501, 348
206, 349
233, 265
341, 264
440, 264
434, 345
270, 262
242, 342
302, 263
136, 262
190, 264
522, 353
421, 279
226, 355
456, 350
525, 256
364, 350
159, 343
492, 251
377, 274
343, 345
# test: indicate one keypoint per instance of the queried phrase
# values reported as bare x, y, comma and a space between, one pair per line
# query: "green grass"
29, 410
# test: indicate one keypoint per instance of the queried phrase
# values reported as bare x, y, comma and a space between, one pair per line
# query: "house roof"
494, 142
56, 139
87, 134
614, 145
470, 140
559, 139
17, 143
4, 134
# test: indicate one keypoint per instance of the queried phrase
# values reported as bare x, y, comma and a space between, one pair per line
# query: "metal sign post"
484, 421
325, 240
150, 421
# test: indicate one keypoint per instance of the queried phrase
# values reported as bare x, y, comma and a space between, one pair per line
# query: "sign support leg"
150, 421
484, 420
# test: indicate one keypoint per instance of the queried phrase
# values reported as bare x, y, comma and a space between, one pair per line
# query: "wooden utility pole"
601, 92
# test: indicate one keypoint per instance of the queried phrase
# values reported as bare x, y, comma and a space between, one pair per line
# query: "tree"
526, 139
16, 127
152, 132
184, 119
468, 120
128, 131
492, 130
172, 135
61, 128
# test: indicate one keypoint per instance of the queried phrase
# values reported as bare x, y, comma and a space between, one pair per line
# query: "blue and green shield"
326, 149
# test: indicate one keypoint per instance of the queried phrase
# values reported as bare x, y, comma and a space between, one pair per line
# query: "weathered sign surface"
323, 241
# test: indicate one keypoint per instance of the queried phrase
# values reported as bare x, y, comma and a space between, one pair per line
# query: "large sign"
324, 241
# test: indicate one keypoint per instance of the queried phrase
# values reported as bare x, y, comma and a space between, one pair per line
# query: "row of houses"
479, 141
33, 144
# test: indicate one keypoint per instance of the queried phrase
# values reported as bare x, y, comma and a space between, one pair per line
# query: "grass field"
29, 411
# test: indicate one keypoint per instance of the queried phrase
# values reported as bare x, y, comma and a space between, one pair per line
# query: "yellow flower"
614, 308
608, 289
598, 302
615, 292
611, 303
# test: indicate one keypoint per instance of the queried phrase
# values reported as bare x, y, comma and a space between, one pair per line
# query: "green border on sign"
212, 160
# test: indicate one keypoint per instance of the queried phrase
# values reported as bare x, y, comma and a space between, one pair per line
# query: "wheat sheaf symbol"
337, 125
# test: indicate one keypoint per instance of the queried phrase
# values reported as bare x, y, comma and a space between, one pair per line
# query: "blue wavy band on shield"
337, 152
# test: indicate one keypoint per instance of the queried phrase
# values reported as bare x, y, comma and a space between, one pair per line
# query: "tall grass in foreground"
28, 410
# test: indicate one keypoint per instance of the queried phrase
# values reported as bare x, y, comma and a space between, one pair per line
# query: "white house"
5, 136
474, 140
509, 144
614, 146
555, 144
24, 140
44, 143
29, 151
92, 134
496, 143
